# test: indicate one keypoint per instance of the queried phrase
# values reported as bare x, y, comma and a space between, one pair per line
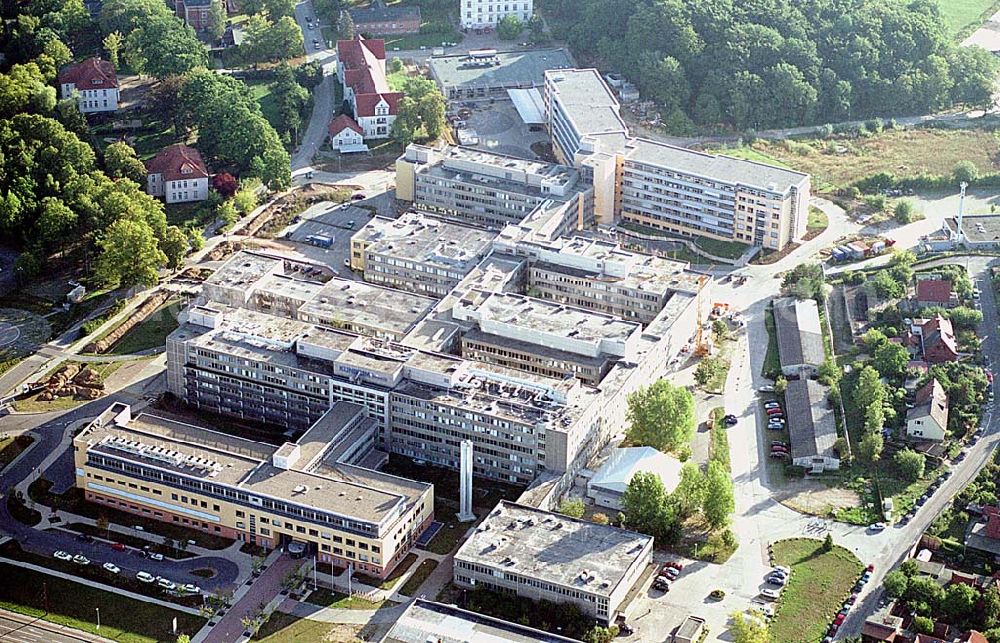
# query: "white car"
145, 577
190, 588
876, 527
772, 405
770, 594
61, 555
764, 609
111, 567
165, 583
156, 556
766, 389
80, 559
781, 570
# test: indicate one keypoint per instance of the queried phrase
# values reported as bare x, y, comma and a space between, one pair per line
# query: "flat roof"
724, 169
554, 548
419, 237
343, 301
225, 459
812, 427
587, 100
516, 69
425, 621
243, 270
977, 228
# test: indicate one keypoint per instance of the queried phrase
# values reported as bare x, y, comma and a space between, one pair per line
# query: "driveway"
315, 133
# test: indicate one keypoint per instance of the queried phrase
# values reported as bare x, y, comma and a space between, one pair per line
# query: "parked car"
111, 567
781, 569
145, 577
778, 454
776, 413
772, 405
85, 538
358, 196
774, 427
870, 568
778, 443
671, 573
624, 629
165, 583
770, 594
777, 579
190, 588
730, 420
676, 565
783, 450
876, 527
80, 559
839, 619
61, 555
662, 583
766, 389
155, 556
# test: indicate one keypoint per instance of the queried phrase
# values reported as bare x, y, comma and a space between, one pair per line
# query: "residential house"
800, 338
930, 638
812, 428
928, 419
985, 535
935, 292
94, 83
381, 19
196, 14
973, 636
178, 174
882, 626
346, 135
361, 70
933, 338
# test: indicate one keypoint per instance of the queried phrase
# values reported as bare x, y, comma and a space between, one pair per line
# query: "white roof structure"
615, 474
529, 104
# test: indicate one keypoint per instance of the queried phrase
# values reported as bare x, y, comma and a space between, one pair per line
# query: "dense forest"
777, 63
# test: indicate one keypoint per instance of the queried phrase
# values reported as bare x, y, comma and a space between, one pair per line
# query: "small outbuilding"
608, 485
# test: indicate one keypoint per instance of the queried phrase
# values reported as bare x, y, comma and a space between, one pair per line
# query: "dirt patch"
815, 498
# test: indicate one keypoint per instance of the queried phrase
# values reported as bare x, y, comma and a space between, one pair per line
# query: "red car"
118, 547
775, 411
839, 620
870, 568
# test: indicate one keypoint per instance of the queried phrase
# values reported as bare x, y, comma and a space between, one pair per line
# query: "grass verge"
413, 583
74, 605
10, 448
962, 17
393, 578
772, 364
327, 598
720, 248
151, 333
819, 584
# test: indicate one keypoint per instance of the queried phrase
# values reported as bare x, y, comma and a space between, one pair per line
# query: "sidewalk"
54, 628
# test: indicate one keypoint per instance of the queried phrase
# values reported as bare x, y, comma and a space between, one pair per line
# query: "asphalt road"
49, 434
13, 629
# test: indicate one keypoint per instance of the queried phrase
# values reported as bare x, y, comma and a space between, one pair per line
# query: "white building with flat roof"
478, 14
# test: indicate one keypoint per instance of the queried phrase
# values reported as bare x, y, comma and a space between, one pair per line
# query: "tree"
780, 385
163, 47
175, 246
601, 634
125, 16
909, 568
885, 286
690, 491
431, 111
662, 416
911, 463
120, 162
227, 214
749, 629
719, 502
277, 9
509, 27
24, 88
828, 542
245, 200
904, 211
719, 330
129, 254
217, 20
965, 171
183, 638
708, 369
959, 602
225, 184
991, 606
923, 625
648, 509
113, 43
56, 221
572, 507
870, 447
924, 590
975, 71
895, 583
291, 98
890, 360
345, 26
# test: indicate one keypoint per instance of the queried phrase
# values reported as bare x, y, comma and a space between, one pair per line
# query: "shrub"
599, 519
904, 211
572, 507
923, 625
965, 172
828, 542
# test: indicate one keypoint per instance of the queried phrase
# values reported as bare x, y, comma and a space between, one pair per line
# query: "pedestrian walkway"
101, 586
247, 599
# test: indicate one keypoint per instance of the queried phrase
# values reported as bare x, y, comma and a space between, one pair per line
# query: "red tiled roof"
176, 162
92, 73
972, 636
366, 103
939, 330
934, 290
350, 54
927, 638
343, 122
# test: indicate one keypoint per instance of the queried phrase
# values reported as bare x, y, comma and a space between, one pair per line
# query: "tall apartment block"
665, 187
418, 253
477, 14
489, 190
319, 491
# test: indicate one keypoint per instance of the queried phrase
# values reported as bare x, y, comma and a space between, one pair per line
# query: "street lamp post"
98, 617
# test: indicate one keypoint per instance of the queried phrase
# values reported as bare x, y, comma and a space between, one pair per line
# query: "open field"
819, 584
962, 16
285, 628
840, 162
75, 605
336, 600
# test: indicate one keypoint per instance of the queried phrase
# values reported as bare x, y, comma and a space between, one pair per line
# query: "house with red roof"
178, 174
196, 14
361, 70
93, 82
346, 135
935, 292
932, 338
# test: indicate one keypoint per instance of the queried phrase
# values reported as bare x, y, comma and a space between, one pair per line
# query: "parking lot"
337, 222
501, 129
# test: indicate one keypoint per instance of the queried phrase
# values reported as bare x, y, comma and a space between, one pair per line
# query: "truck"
320, 240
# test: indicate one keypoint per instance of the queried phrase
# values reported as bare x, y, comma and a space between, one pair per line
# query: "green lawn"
10, 448
443, 14
393, 578
720, 248
818, 220
285, 628
772, 364
151, 333
75, 605
261, 91
963, 16
819, 584
412, 585
326, 598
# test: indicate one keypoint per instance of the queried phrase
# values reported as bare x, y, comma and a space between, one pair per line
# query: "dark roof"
92, 73
366, 102
812, 429
342, 122
176, 162
937, 291
384, 14
797, 324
